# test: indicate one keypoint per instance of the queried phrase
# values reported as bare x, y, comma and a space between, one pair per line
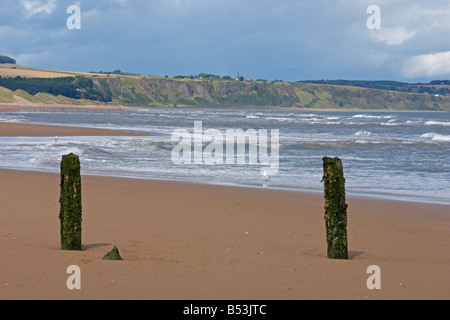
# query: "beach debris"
70, 214
335, 208
113, 255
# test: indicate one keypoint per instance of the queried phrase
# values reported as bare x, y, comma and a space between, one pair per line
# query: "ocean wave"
371, 116
280, 119
365, 141
301, 115
436, 136
74, 150
412, 122
363, 133
391, 123
437, 123
11, 120
252, 117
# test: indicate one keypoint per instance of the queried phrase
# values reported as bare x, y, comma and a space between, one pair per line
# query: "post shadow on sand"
353, 254
94, 245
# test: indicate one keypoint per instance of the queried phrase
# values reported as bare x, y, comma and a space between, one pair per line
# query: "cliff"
152, 91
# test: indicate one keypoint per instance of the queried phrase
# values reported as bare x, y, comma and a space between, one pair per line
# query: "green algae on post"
113, 255
70, 200
335, 208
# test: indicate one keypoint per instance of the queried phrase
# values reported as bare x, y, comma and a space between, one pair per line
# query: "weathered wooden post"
335, 208
70, 200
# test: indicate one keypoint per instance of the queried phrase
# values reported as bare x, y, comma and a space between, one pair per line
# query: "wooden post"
335, 208
70, 200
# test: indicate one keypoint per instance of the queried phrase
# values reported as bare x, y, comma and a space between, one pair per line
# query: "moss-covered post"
335, 208
70, 200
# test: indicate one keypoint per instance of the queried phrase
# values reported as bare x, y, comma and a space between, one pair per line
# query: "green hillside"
216, 92
219, 93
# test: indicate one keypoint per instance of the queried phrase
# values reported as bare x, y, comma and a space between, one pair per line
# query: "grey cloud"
286, 39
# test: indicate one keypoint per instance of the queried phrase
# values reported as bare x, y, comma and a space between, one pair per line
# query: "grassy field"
14, 70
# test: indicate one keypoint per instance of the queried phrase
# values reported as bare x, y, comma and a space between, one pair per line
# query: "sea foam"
436, 136
437, 123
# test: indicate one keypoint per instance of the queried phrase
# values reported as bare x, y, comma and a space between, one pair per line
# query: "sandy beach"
188, 241
37, 130
193, 241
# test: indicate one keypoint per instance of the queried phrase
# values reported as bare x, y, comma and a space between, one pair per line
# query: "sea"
389, 155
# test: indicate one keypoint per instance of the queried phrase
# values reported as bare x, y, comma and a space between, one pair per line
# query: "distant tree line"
72, 87
437, 82
5, 59
205, 76
116, 72
391, 85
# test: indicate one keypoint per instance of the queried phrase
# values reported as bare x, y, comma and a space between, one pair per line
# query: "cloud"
405, 19
287, 39
392, 36
428, 65
34, 7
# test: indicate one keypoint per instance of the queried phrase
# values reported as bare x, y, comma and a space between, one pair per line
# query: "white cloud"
428, 65
34, 7
405, 19
392, 36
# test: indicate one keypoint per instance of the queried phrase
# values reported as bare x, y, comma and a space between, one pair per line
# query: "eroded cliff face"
153, 91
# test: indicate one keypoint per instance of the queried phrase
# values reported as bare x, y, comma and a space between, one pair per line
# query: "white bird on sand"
265, 176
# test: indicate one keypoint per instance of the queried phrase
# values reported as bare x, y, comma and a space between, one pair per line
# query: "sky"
289, 40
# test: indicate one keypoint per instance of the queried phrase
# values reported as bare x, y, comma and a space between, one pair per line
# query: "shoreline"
10, 130
411, 199
22, 104
189, 241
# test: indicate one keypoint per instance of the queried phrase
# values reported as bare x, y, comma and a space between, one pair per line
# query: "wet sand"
37, 130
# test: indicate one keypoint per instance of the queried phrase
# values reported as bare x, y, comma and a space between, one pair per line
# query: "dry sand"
192, 241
